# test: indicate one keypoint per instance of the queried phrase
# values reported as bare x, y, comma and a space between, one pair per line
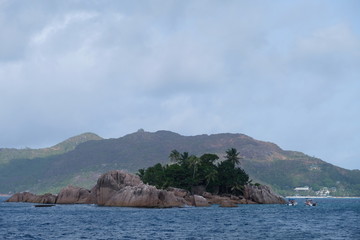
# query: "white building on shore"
306, 188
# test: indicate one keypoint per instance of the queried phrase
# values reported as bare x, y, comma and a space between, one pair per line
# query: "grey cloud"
113, 67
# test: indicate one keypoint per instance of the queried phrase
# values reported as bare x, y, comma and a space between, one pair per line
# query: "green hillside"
7, 154
318, 175
264, 162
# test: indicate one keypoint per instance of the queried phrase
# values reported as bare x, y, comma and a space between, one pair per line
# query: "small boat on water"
292, 202
310, 202
44, 205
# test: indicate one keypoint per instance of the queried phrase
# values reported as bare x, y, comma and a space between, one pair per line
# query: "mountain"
7, 154
265, 162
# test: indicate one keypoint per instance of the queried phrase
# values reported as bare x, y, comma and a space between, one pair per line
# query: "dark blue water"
331, 219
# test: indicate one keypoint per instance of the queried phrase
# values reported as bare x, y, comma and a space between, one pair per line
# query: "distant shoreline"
317, 197
5, 195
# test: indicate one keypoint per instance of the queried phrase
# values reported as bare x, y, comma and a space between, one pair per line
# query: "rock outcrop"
226, 200
118, 188
262, 194
114, 188
178, 192
196, 201
71, 195
33, 198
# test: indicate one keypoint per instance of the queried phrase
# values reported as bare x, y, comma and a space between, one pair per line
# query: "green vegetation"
8, 154
284, 176
187, 172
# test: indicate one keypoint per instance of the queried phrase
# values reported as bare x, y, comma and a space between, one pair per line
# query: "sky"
286, 72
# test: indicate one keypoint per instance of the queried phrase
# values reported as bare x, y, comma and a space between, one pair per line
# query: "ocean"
331, 219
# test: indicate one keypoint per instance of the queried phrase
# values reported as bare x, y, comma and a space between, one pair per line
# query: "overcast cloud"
287, 72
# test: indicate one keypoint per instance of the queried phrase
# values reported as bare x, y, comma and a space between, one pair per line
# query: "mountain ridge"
67, 145
265, 162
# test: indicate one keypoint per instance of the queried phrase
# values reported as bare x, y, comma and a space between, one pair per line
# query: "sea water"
330, 219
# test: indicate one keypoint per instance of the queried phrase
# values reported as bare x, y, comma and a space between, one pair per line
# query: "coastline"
318, 197
5, 195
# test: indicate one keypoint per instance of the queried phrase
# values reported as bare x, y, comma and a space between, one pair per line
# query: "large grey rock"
223, 201
118, 188
178, 192
262, 194
71, 195
114, 188
47, 198
200, 201
196, 201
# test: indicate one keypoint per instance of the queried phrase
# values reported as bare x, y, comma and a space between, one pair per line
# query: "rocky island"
118, 188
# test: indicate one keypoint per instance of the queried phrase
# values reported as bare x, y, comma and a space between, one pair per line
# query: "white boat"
292, 202
310, 202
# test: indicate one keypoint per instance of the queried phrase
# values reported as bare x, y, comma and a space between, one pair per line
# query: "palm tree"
237, 188
174, 156
211, 176
232, 156
194, 162
184, 157
209, 158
